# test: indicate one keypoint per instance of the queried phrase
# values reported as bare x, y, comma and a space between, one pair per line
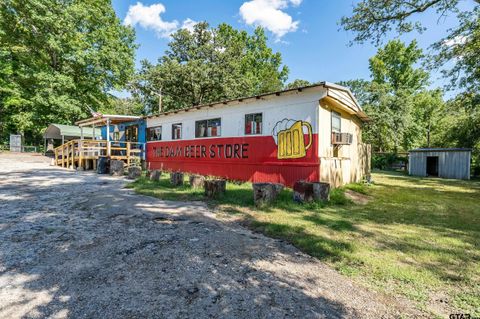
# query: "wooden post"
80, 154
108, 138
63, 154
68, 153
73, 154
128, 154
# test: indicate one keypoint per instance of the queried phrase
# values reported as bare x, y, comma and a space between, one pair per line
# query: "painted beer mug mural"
289, 137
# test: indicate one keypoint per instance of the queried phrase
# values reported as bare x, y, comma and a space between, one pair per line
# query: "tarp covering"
56, 131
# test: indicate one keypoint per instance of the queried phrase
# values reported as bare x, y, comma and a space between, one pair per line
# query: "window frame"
339, 116
153, 128
207, 126
129, 129
173, 131
245, 124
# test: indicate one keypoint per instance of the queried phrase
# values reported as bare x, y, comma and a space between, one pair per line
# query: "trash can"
102, 165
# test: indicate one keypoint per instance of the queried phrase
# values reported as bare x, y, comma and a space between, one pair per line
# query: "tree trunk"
117, 168
213, 188
134, 172
176, 179
308, 192
155, 175
265, 193
197, 181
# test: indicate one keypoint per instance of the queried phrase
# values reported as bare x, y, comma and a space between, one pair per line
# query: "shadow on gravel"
84, 248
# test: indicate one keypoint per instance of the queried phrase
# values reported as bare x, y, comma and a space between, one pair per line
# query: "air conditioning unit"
342, 138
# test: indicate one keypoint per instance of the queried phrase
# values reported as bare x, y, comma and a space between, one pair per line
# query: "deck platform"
85, 153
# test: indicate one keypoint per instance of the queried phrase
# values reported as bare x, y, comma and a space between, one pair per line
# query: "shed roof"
56, 131
441, 149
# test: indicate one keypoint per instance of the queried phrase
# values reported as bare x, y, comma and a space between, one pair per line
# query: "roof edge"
323, 84
441, 149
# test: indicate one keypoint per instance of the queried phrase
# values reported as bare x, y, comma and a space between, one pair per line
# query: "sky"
306, 32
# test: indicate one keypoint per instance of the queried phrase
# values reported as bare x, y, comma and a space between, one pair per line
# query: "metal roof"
360, 113
441, 149
56, 131
102, 119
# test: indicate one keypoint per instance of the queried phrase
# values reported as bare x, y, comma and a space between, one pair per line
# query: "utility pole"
159, 94
160, 101
428, 135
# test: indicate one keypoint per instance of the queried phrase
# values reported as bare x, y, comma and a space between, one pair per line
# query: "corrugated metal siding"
451, 164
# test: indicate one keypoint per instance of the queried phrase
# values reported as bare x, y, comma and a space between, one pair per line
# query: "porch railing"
76, 152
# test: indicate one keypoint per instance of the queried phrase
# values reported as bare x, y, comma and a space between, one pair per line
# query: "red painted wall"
252, 158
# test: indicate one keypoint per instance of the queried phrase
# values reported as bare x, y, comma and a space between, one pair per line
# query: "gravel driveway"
79, 245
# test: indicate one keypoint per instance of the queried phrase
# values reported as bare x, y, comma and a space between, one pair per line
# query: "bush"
386, 160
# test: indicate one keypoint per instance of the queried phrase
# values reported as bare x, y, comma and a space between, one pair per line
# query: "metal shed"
440, 162
66, 133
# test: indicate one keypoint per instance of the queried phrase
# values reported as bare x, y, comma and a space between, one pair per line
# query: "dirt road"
80, 245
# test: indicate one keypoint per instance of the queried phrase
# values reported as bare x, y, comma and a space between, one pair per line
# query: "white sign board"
15, 143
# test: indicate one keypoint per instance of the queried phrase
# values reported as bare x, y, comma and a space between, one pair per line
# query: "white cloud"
148, 17
269, 14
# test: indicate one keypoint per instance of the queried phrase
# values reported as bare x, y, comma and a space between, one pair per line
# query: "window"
176, 131
116, 136
253, 124
336, 122
154, 133
208, 128
131, 133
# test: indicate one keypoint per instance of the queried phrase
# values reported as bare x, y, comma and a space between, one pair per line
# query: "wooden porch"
85, 153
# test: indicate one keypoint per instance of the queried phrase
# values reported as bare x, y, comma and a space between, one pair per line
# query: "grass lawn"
417, 238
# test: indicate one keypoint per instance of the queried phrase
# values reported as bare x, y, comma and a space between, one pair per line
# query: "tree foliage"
372, 20
402, 110
210, 64
457, 54
459, 126
297, 83
462, 48
58, 58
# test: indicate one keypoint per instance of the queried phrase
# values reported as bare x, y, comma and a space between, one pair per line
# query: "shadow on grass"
315, 245
337, 225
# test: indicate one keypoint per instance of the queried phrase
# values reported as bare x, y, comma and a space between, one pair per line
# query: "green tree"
459, 126
58, 58
124, 106
393, 67
209, 64
297, 83
457, 54
395, 84
403, 112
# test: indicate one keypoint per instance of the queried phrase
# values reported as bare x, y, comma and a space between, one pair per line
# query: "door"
432, 165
